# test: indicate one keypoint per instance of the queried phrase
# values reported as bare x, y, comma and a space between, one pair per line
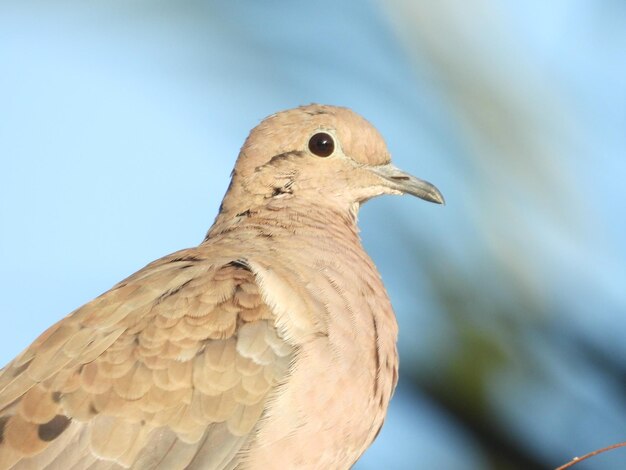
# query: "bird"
270, 345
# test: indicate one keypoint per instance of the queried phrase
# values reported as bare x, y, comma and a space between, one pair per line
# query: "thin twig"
575, 460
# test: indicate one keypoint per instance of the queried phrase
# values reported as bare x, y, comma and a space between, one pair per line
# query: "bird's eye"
322, 145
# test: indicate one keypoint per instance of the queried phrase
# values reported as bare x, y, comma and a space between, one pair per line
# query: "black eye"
322, 144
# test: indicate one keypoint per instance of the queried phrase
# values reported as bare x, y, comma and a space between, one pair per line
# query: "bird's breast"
335, 398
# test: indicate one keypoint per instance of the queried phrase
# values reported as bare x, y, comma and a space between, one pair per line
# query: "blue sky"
119, 126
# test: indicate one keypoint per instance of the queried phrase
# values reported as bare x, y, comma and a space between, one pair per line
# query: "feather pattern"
170, 355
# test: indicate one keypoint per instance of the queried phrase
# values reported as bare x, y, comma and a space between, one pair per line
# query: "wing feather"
173, 367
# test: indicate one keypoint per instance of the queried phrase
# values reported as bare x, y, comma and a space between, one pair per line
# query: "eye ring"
322, 144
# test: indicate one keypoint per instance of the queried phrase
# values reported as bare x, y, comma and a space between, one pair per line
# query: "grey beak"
408, 184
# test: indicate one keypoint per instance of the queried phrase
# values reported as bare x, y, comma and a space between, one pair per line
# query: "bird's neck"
287, 215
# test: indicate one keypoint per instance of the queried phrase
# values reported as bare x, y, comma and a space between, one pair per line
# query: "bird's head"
322, 155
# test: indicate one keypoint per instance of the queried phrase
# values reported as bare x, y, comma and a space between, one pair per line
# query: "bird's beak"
400, 181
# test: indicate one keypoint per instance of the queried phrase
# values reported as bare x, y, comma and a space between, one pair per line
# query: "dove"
271, 345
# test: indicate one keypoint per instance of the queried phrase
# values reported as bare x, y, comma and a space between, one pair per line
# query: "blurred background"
120, 123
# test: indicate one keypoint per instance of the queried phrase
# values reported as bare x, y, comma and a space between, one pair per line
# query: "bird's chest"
362, 348
335, 399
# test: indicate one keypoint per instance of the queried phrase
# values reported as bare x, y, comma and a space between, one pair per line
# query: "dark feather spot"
185, 266
316, 112
53, 428
18, 370
119, 286
3, 422
190, 258
230, 185
172, 292
285, 189
245, 213
277, 191
376, 356
240, 263
56, 397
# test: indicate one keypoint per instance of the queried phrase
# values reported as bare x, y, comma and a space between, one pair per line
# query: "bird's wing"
172, 368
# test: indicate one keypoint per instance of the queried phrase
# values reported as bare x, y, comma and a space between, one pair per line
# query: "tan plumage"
270, 345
